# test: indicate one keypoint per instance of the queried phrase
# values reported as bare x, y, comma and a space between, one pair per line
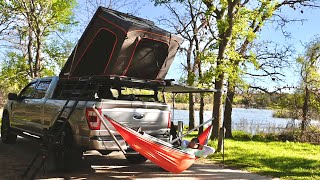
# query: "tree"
234, 19
30, 26
188, 20
268, 61
310, 78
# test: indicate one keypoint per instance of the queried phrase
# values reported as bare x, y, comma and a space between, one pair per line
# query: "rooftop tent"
119, 44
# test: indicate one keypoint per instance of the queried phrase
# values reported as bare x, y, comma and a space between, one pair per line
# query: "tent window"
148, 59
96, 57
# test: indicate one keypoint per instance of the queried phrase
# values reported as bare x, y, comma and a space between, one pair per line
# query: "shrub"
259, 137
272, 137
241, 135
289, 135
311, 135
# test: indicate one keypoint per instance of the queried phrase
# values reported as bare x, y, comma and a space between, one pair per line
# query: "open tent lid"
179, 88
119, 44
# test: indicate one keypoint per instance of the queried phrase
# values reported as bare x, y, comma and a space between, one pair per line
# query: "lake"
249, 120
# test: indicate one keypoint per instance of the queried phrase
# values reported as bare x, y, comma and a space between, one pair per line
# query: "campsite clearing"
15, 158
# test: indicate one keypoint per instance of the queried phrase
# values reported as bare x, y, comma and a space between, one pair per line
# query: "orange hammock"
159, 152
204, 136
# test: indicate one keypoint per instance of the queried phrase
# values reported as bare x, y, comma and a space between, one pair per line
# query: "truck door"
19, 106
35, 108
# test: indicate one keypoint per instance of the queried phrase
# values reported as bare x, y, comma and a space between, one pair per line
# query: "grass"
285, 160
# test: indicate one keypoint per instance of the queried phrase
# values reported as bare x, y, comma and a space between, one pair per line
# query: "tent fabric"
159, 152
118, 44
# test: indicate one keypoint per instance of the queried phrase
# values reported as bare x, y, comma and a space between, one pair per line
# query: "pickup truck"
35, 109
120, 53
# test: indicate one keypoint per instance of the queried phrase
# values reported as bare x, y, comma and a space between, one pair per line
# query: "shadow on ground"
15, 158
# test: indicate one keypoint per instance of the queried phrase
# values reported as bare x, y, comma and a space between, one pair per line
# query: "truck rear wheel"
7, 136
66, 156
136, 158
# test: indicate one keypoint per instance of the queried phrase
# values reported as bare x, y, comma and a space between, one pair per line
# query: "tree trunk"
201, 110
191, 111
217, 107
30, 57
220, 140
227, 122
305, 109
224, 36
38, 58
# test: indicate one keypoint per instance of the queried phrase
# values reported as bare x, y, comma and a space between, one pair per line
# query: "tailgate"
152, 118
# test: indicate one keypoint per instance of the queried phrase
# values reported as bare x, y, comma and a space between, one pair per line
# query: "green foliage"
30, 26
259, 137
182, 98
58, 53
253, 100
310, 79
241, 135
191, 78
13, 75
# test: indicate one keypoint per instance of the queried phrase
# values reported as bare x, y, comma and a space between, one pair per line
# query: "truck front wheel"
7, 136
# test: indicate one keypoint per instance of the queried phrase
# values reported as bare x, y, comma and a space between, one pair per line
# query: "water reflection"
249, 120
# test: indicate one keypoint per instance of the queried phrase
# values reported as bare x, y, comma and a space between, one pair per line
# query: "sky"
300, 33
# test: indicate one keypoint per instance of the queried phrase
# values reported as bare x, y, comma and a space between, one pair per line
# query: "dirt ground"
15, 158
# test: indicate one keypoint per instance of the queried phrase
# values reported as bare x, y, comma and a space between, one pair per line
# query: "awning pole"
180, 137
173, 102
107, 127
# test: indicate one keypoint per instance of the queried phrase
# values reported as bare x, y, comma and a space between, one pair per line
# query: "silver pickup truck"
122, 53
35, 109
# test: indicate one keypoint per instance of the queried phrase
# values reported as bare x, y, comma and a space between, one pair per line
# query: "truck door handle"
138, 116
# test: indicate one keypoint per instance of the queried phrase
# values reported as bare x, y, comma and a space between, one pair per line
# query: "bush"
241, 135
259, 137
272, 137
289, 135
311, 135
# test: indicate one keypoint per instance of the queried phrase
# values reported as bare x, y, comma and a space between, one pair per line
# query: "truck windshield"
112, 91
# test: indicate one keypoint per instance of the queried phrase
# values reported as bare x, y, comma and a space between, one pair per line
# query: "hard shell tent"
119, 44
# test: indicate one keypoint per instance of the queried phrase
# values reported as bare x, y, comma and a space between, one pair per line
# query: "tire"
7, 136
65, 157
136, 158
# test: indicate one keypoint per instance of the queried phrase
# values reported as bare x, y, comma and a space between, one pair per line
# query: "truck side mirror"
12, 96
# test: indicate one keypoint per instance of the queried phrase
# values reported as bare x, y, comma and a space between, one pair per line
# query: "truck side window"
41, 89
28, 91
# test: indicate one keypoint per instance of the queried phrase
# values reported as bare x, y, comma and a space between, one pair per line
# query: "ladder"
54, 136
